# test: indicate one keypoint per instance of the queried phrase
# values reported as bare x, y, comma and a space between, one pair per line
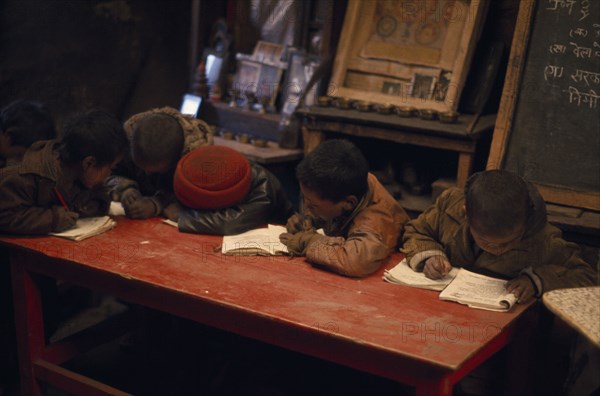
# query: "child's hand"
66, 220
436, 267
172, 211
91, 208
129, 196
141, 208
522, 287
298, 243
298, 223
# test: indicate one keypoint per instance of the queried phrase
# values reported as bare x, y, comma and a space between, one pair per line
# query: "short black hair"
334, 170
157, 138
94, 133
26, 122
497, 202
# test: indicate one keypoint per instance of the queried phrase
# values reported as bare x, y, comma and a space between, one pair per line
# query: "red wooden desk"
401, 333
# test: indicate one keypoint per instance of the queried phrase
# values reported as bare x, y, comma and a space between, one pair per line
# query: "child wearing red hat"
143, 183
361, 220
222, 193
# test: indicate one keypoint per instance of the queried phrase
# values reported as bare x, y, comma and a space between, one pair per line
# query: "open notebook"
460, 285
257, 242
402, 274
86, 228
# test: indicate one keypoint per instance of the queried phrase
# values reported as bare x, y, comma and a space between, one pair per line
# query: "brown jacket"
357, 244
196, 133
28, 203
548, 259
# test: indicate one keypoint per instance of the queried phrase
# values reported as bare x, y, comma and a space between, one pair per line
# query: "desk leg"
431, 387
465, 165
28, 321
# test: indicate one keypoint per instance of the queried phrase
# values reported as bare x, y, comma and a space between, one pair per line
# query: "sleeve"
359, 255
122, 179
561, 265
251, 213
421, 239
18, 213
92, 203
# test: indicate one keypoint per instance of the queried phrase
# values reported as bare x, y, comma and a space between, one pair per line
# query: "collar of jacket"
41, 159
342, 222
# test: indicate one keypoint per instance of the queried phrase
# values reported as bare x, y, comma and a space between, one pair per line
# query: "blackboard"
548, 126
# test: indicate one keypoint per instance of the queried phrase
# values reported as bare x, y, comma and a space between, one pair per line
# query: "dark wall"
122, 55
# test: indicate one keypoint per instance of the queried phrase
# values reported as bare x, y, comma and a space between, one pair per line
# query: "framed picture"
299, 72
268, 83
267, 52
406, 52
247, 77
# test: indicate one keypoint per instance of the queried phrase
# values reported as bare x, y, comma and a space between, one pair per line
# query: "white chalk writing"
555, 4
590, 98
585, 9
557, 48
587, 76
579, 32
581, 52
553, 72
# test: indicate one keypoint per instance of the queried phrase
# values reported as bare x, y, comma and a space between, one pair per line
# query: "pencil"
61, 199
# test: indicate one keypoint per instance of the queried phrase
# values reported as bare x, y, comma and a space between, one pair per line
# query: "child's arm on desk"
421, 238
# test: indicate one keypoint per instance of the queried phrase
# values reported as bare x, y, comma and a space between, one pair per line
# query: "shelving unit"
458, 137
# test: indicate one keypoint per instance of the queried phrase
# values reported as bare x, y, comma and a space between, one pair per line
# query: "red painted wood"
401, 333
28, 323
72, 382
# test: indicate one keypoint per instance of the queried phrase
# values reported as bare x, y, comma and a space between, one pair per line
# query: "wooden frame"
301, 67
562, 195
383, 52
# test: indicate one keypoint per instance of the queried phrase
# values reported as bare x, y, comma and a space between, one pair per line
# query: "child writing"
59, 181
222, 193
143, 183
23, 123
498, 227
361, 220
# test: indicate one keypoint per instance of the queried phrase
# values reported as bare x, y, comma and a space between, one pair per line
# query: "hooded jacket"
550, 261
196, 133
28, 203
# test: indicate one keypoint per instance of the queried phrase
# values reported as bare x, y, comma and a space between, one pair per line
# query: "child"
23, 123
497, 226
158, 138
361, 220
59, 181
224, 194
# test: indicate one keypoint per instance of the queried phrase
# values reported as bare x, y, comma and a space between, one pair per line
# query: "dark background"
130, 55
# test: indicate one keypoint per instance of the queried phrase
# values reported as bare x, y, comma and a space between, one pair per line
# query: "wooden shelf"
414, 204
272, 154
240, 120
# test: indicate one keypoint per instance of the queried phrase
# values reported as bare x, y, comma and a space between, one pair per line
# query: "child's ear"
350, 203
88, 162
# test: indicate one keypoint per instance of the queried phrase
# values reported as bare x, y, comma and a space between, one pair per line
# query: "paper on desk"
86, 228
171, 223
260, 241
402, 274
116, 209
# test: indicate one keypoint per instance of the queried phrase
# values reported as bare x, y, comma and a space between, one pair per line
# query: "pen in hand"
61, 199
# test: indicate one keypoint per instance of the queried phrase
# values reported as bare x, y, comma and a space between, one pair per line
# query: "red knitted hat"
212, 177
